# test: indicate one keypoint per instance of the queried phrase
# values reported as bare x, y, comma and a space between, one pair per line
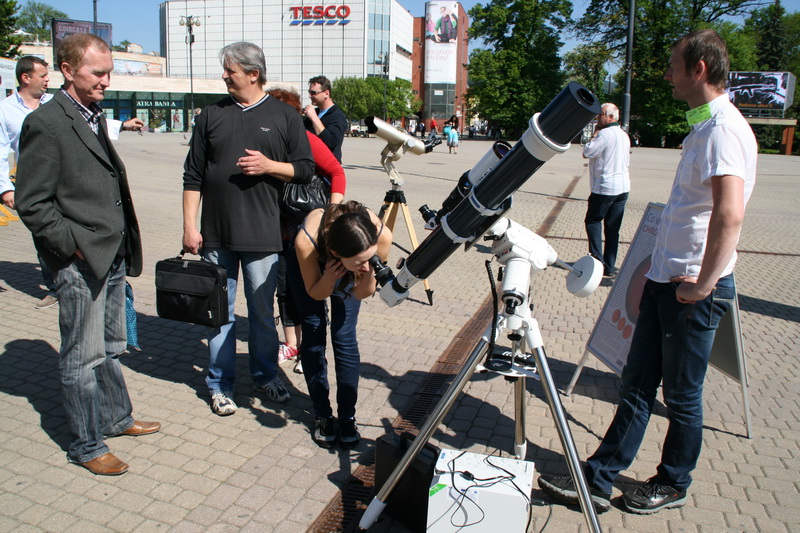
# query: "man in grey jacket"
73, 195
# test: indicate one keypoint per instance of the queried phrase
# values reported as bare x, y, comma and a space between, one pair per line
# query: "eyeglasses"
314, 93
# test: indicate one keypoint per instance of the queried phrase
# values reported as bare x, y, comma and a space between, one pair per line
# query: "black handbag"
299, 199
193, 291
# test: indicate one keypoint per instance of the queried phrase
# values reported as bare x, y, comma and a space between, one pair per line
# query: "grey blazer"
70, 194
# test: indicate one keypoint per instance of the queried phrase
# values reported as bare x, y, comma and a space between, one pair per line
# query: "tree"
770, 32
8, 43
654, 113
352, 95
35, 19
586, 64
519, 71
122, 46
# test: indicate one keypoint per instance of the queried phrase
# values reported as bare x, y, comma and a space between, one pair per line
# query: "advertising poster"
441, 30
611, 338
63, 28
773, 91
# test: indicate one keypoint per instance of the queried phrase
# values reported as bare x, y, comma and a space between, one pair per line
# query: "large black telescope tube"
549, 133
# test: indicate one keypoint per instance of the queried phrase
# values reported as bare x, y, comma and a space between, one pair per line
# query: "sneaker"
324, 433
48, 301
222, 404
286, 353
348, 433
298, 368
652, 496
274, 389
562, 489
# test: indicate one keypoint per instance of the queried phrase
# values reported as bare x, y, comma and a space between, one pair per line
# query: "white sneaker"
274, 389
222, 404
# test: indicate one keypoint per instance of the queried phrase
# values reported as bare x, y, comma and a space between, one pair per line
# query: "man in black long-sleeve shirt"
243, 149
326, 120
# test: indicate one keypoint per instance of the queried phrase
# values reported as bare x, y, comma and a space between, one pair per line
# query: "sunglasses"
314, 93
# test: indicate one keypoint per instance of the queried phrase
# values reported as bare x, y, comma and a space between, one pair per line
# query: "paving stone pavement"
259, 471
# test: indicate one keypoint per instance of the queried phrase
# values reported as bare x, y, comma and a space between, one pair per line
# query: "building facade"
441, 52
300, 39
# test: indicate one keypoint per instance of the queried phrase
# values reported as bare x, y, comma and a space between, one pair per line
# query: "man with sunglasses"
323, 117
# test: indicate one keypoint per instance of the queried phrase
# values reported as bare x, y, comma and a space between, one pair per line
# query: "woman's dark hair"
346, 229
454, 121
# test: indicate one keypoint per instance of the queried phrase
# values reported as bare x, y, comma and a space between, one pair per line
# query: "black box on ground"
408, 502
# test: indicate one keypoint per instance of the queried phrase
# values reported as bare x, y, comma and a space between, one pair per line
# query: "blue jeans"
91, 318
672, 342
47, 276
260, 274
346, 357
604, 218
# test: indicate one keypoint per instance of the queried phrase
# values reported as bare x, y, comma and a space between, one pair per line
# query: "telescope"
484, 193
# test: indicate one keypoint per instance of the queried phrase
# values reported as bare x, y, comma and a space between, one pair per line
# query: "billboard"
761, 91
63, 28
441, 36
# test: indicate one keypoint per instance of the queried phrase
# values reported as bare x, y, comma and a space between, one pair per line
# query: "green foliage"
359, 98
770, 33
8, 43
35, 19
519, 71
654, 113
122, 46
586, 64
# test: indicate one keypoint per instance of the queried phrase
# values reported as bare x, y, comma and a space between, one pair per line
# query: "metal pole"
191, 70
94, 25
626, 97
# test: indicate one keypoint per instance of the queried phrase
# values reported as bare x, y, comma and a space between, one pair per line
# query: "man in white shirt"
609, 157
689, 289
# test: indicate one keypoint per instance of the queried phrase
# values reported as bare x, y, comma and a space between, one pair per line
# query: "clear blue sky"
137, 20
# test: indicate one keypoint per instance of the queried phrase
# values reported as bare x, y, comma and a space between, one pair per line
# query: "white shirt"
609, 157
12, 114
722, 145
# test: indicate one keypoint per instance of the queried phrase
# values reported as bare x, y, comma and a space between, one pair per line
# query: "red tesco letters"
318, 12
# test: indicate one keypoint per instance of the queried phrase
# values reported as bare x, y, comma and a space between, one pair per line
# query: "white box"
470, 495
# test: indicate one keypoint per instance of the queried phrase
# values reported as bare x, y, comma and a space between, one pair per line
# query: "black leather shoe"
652, 496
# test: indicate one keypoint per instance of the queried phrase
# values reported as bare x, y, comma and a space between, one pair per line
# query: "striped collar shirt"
91, 114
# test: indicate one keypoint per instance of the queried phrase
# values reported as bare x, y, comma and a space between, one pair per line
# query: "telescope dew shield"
549, 132
394, 136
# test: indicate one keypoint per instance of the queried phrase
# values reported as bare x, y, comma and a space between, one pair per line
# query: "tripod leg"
520, 441
533, 337
378, 503
414, 244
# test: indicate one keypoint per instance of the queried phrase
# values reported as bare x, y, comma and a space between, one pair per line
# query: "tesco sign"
320, 15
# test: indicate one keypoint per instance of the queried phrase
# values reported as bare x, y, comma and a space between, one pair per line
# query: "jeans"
260, 273
686, 334
604, 217
47, 276
92, 323
346, 357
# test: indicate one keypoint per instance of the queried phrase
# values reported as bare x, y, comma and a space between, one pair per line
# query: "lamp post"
190, 21
383, 59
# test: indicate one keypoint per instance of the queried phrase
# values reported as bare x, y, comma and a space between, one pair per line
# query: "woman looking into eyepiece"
332, 250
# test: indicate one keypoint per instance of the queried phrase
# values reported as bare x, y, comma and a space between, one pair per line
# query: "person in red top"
328, 167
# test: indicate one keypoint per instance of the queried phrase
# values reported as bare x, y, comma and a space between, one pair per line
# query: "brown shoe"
140, 428
105, 465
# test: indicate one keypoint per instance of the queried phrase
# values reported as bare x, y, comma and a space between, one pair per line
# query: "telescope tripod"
394, 202
526, 338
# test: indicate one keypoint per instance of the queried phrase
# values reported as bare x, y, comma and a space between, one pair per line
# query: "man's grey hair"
611, 111
246, 55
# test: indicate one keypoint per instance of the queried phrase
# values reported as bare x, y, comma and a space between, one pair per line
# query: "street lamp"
383, 59
190, 21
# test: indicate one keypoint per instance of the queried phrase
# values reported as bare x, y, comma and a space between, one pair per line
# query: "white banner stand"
610, 339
